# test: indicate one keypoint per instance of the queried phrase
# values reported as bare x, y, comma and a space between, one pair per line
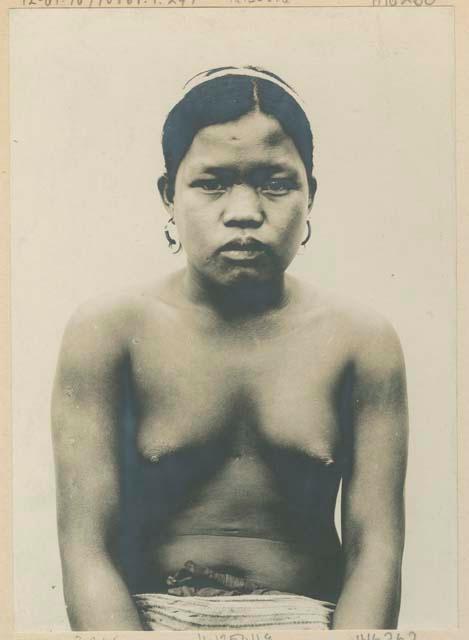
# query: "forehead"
253, 139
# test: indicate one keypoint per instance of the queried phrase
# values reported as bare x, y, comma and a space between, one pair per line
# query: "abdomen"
283, 566
241, 520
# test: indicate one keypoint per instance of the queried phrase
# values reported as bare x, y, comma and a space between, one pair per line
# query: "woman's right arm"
85, 406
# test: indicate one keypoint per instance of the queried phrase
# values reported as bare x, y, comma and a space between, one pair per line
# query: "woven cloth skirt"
272, 611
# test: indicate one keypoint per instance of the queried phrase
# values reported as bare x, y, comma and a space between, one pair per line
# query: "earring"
170, 230
307, 239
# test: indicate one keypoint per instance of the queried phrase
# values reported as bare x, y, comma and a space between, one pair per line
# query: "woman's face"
241, 200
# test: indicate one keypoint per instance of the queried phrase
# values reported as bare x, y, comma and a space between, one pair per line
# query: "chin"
239, 276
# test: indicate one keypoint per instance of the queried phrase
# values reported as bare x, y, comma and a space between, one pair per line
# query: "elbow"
381, 554
71, 591
87, 583
81, 569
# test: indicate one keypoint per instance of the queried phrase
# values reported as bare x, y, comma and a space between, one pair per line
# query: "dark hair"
227, 98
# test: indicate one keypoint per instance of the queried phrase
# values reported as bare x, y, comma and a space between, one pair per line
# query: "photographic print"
233, 272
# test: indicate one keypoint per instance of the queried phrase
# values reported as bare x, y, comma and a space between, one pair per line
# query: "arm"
373, 487
85, 437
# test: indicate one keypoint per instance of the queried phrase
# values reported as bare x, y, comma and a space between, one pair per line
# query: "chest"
194, 390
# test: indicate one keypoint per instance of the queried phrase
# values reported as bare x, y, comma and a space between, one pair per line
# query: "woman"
202, 425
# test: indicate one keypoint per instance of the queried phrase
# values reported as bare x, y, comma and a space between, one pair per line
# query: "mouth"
243, 249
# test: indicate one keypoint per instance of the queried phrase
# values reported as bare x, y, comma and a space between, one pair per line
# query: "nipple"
155, 452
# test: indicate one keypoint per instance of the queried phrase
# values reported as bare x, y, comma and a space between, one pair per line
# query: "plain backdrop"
89, 92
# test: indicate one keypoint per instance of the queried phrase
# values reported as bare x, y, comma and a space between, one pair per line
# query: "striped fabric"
280, 611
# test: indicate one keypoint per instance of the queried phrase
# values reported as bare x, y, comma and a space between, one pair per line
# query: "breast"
267, 399
296, 412
187, 407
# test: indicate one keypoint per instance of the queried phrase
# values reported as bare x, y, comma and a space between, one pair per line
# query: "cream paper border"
461, 12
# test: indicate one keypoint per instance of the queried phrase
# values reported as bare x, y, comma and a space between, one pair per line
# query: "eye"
210, 185
278, 186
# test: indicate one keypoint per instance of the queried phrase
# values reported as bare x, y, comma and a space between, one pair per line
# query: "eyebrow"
266, 167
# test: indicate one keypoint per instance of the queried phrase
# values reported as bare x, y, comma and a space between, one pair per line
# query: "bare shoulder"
376, 346
373, 338
117, 314
99, 326
368, 337
100, 329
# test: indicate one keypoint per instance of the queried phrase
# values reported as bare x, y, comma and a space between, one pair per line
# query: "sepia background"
89, 93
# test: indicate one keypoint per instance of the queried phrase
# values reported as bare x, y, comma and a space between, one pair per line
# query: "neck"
236, 300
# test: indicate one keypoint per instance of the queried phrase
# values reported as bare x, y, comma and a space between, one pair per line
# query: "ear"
313, 185
163, 188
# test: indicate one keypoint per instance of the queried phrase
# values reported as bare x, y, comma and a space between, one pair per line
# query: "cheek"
184, 213
193, 227
293, 222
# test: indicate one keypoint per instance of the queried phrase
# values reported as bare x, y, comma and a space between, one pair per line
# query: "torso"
234, 445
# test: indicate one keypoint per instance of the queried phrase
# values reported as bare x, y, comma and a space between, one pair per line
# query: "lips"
243, 244
243, 249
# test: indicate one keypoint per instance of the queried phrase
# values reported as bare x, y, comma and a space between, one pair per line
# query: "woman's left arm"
373, 486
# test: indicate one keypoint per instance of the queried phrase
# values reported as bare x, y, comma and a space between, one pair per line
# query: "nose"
243, 208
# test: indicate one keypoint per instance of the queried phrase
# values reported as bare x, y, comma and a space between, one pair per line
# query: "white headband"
252, 72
